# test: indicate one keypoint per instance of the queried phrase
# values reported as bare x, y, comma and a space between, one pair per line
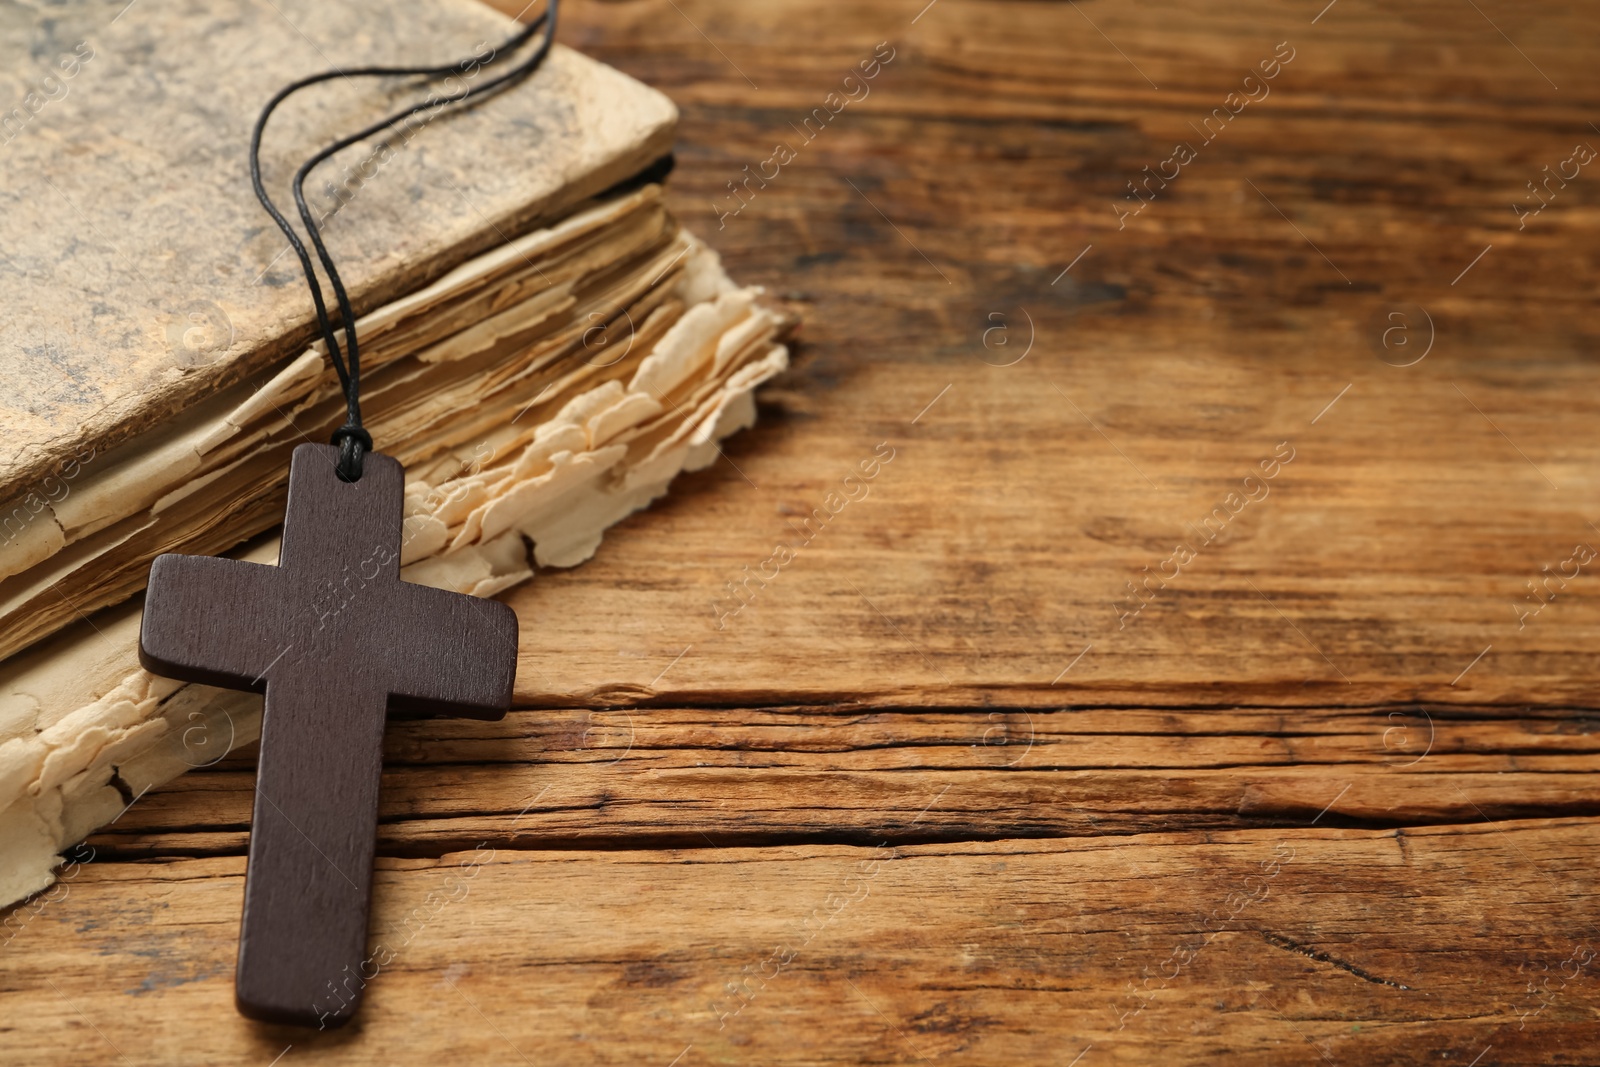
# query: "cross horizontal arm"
461, 656
209, 620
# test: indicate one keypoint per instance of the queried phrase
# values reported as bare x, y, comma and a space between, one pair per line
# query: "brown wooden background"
1328, 798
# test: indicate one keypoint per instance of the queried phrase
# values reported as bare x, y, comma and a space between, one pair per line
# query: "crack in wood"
114, 847
1307, 951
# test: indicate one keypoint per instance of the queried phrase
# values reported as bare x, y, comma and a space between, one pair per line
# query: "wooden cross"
335, 639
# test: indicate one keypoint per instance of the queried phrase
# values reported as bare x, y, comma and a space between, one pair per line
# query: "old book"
543, 348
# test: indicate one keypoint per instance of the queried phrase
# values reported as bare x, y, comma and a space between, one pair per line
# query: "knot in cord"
354, 444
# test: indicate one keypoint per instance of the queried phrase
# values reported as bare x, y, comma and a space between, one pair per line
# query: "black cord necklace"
351, 438
330, 677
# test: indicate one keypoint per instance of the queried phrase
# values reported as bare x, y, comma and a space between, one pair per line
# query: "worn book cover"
138, 273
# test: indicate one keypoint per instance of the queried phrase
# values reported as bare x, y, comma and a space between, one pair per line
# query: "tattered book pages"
84, 726
450, 365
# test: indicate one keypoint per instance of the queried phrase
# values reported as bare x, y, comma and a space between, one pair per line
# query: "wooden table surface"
1204, 674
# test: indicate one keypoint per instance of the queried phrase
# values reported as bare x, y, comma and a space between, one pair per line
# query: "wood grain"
693, 777
675, 802
1172, 358
1299, 945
